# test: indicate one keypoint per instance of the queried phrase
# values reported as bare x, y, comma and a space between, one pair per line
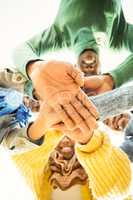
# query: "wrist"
37, 141
109, 80
31, 66
85, 140
37, 129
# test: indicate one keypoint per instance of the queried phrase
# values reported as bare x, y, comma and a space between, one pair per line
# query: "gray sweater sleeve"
114, 102
127, 145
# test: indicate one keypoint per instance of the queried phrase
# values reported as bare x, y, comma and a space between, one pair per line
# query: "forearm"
113, 102
37, 129
32, 49
24, 54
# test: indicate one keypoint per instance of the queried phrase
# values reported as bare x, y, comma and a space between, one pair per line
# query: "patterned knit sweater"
108, 168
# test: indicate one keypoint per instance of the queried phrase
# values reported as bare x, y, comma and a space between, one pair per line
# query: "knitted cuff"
108, 168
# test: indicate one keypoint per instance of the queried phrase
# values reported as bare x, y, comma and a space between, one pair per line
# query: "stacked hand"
49, 119
58, 85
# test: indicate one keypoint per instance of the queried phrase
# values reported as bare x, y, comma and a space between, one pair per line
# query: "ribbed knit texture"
107, 167
33, 165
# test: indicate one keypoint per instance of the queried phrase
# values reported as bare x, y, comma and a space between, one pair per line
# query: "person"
74, 164
15, 107
76, 26
77, 174
14, 80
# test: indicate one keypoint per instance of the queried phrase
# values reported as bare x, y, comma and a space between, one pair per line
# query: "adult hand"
99, 83
76, 134
47, 119
118, 122
58, 84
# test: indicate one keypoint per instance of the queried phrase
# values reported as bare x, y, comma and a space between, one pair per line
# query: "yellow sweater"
108, 168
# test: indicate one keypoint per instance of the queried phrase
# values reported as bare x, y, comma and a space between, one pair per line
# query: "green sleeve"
124, 72
49, 39
71, 28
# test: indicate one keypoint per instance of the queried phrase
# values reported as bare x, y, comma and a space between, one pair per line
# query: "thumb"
77, 75
93, 82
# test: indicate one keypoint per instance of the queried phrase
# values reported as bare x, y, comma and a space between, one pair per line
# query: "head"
89, 63
66, 170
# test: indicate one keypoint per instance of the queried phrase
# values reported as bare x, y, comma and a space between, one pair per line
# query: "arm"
113, 102
67, 30
108, 168
31, 50
33, 164
124, 72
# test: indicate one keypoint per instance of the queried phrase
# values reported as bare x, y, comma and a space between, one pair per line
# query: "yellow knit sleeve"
33, 165
108, 167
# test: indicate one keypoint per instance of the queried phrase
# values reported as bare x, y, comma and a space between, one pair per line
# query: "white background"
19, 20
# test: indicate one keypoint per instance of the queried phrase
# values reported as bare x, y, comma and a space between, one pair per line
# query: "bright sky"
19, 20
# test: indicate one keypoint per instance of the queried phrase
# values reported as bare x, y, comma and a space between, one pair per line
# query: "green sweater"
75, 27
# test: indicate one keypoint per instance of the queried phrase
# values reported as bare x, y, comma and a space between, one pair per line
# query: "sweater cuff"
117, 77
94, 143
108, 168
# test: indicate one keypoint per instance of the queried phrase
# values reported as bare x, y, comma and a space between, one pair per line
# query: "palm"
58, 84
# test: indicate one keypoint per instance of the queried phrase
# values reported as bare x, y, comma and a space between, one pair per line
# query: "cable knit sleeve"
108, 168
33, 165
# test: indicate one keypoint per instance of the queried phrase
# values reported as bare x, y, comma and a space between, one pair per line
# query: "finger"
77, 75
64, 116
116, 121
78, 119
86, 115
78, 136
106, 121
123, 123
60, 127
110, 124
88, 104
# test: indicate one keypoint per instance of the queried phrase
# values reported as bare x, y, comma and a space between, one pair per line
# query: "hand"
119, 122
99, 83
88, 62
58, 84
48, 118
76, 135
